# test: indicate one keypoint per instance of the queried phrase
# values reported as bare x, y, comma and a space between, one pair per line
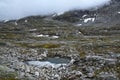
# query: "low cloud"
16, 9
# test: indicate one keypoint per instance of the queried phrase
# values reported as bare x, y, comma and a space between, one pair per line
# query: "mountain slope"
105, 16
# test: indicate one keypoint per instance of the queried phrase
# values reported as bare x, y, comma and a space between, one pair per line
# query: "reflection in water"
54, 62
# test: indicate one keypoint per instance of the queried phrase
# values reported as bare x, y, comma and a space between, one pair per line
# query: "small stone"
90, 75
36, 73
72, 61
57, 76
79, 73
27, 75
27, 69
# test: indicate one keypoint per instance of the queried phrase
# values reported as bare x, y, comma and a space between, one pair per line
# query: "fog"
16, 9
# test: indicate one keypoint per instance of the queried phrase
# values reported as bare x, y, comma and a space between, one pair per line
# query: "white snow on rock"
26, 21
6, 21
118, 12
58, 14
32, 29
89, 19
46, 36
84, 16
54, 37
41, 35
54, 15
78, 24
16, 23
44, 64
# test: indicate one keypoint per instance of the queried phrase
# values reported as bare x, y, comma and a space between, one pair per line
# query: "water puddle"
57, 60
54, 62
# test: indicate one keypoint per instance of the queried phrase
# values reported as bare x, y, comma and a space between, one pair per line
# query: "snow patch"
6, 21
89, 19
32, 29
16, 23
26, 21
118, 12
78, 24
54, 37
41, 35
58, 14
46, 36
84, 16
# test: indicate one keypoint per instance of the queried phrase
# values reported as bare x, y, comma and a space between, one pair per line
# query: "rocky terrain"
76, 45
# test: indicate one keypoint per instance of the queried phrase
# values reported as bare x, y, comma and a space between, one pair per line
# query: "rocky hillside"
76, 45
108, 15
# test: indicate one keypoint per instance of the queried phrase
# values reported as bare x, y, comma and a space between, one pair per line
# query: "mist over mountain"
16, 9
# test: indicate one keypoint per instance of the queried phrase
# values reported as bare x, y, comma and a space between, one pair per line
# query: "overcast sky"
15, 9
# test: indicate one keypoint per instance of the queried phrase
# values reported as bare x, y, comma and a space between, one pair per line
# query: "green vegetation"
38, 45
9, 36
5, 75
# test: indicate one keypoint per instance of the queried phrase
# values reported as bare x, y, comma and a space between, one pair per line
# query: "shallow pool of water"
57, 60
54, 62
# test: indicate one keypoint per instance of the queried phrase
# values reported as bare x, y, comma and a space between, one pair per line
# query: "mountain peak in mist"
16, 9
